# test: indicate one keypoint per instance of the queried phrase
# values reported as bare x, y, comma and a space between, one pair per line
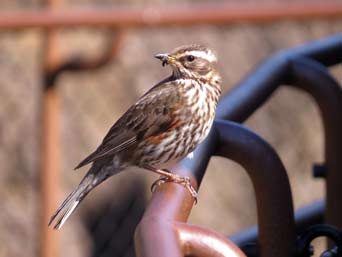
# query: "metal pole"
51, 147
162, 231
271, 186
255, 89
50, 170
155, 235
315, 79
214, 14
292, 67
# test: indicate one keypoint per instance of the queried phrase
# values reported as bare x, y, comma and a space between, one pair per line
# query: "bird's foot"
158, 183
185, 181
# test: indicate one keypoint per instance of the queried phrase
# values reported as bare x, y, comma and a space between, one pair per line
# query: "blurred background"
90, 101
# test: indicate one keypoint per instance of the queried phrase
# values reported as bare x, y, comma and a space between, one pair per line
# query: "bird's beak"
165, 58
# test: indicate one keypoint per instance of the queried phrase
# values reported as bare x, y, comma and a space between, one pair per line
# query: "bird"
164, 126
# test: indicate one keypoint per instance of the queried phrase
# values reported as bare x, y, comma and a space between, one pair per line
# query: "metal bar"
114, 44
50, 170
51, 167
314, 78
54, 66
270, 182
304, 217
289, 67
155, 235
171, 16
256, 88
51, 147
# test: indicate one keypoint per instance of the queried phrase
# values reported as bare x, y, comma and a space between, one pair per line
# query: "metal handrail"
214, 14
314, 78
270, 182
287, 67
293, 67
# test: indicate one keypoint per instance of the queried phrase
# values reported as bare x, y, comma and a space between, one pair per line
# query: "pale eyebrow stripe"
207, 56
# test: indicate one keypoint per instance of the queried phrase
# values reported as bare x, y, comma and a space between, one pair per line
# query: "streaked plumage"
165, 125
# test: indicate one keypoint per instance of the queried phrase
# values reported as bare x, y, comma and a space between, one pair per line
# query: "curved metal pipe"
315, 79
291, 67
271, 186
162, 231
155, 235
198, 241
113, 45
257, 87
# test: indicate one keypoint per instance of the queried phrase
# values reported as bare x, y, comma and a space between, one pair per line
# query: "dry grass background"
92, 101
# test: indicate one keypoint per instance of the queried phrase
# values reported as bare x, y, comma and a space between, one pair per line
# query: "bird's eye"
190, 58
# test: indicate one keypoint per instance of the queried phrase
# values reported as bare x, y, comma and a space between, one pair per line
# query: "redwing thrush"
166, 124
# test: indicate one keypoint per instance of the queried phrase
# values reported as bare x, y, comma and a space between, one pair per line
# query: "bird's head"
192, 61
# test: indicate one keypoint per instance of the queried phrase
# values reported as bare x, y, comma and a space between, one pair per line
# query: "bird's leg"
158, 183
168, 176
161, 180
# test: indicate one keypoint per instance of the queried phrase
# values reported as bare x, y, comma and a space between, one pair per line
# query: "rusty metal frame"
288, 67
213, 14
50, 146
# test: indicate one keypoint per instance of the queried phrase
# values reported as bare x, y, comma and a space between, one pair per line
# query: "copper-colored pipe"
270, 182
198, 241
50, 170
50, 177
161, 232
113, 45
155, 235
315, 79
51, 148
169, 16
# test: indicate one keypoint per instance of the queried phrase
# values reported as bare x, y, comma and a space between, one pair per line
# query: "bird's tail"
91, 180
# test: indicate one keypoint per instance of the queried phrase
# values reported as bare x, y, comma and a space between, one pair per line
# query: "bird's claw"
158, 183
185, 181
192, 190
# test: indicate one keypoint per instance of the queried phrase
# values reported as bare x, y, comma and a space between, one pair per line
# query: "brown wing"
150, 116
